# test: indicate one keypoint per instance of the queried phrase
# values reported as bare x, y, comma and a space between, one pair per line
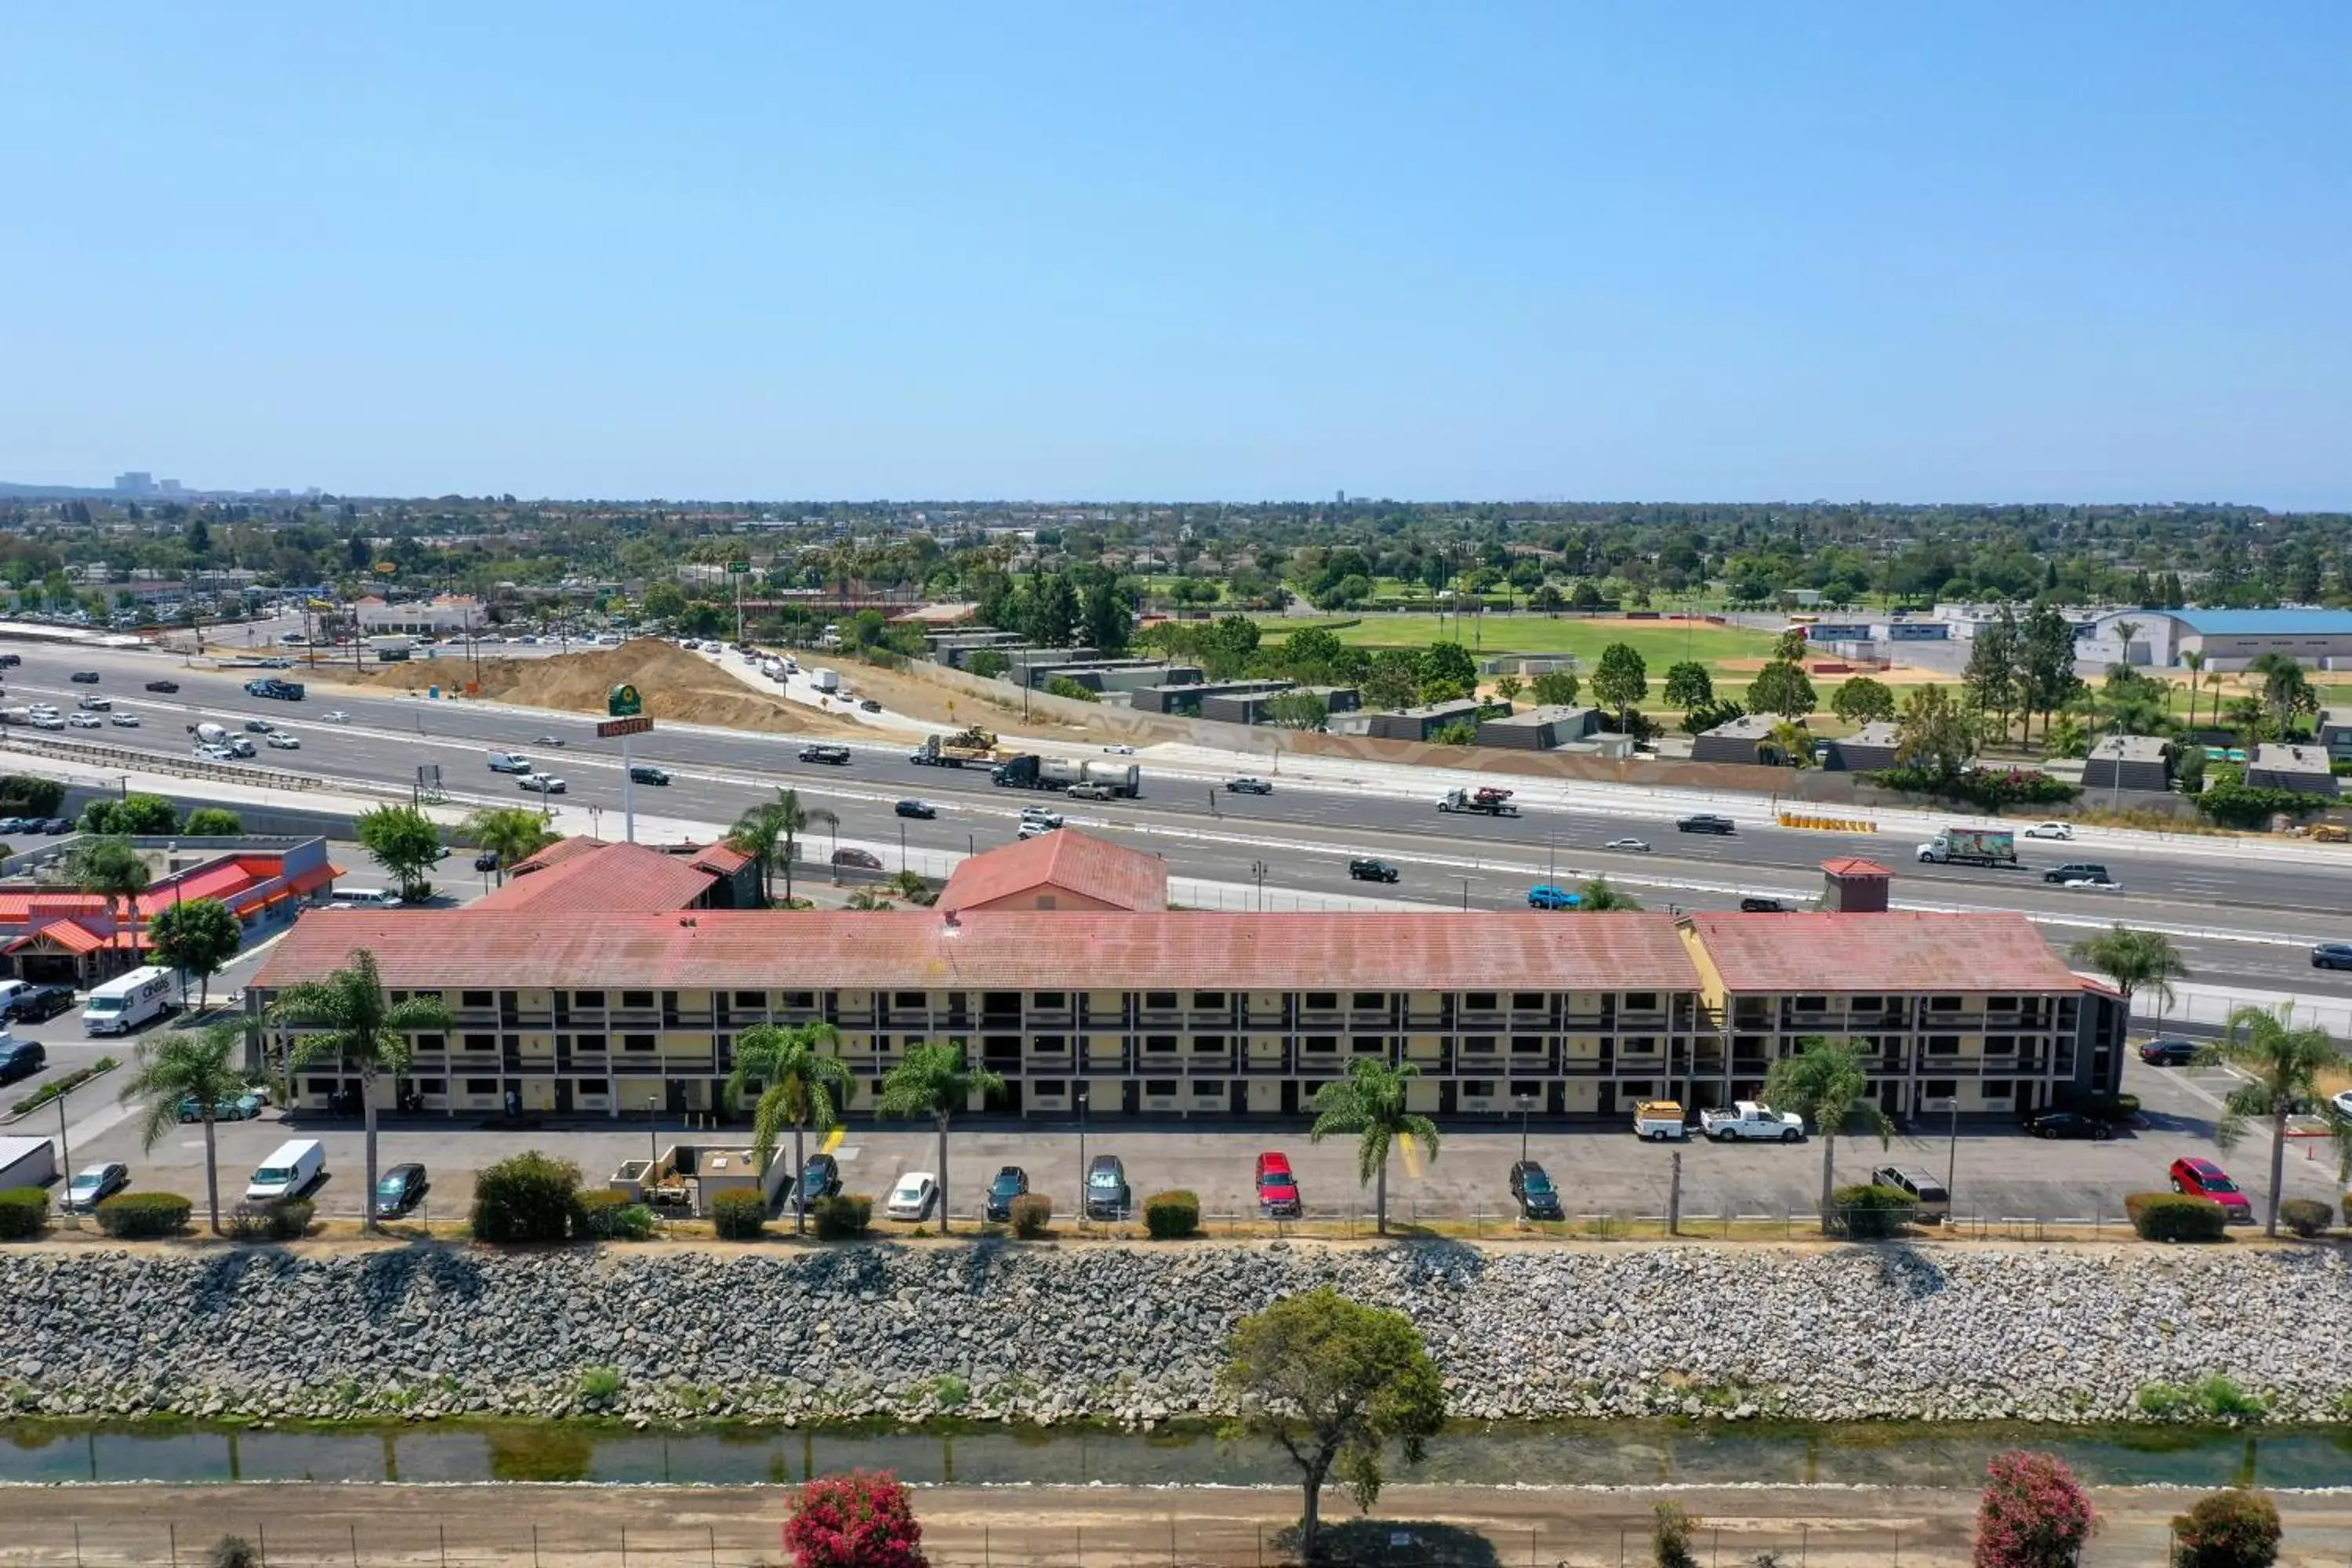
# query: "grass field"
1660, 643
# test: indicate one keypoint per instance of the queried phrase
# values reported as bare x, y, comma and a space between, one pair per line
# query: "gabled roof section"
604, 879
1894, 952
1066, 860
555, 854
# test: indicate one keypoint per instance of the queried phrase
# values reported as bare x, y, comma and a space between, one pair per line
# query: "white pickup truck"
1752, 1119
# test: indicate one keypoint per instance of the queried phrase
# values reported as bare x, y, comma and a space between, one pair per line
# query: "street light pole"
1080, 1089
65, 1153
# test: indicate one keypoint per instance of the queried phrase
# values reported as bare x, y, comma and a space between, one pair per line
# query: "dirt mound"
673, 683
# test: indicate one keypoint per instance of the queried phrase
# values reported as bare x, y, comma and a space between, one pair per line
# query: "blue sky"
1203, 250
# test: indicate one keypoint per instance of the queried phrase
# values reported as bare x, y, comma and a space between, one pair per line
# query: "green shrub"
1872, 1212
2304, 1216
2162, 1399
2233, 1529
530, 1196
2176, 1216
1670, 1529
140, 1217
600, 1214
2219, 1396
599, 1381
288, 1220
21, 795
232, 1551
1031, 1213
1173, 1216
843, 1217
740, 1215
23, 1212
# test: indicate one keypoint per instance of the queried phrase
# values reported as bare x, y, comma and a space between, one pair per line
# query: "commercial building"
2228, 639
1746, 739
2336, 733
434, 617
2301, 768
1539, 729
1154, 1011
53, 934
1867, 749
1412, 723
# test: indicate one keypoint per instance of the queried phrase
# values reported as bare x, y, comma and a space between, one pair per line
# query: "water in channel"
1631, 1453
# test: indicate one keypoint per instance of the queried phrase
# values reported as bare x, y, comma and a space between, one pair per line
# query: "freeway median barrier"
1828, 824
121, 759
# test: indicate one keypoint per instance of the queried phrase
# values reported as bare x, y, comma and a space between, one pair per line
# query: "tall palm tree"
2195, 660
172, 1069
113, 871
802, 1086
1598, 893
1370, 1103
2135, 961
514, 833
1827, 1083
934, 1081
2283, 1067
351, 1020
769, 832
1791, 743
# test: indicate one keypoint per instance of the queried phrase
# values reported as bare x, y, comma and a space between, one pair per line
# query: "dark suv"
1706, 822
40, 1002
820, 1178
2331, 955
1372, 871
21, 1058
1107, 1192
1532, 1187
2078, 871
1010, 1182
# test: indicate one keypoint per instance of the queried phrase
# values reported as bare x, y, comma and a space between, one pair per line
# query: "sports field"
1660, 643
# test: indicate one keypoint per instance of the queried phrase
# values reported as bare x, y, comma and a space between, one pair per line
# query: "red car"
1278, 1189
2204, 1179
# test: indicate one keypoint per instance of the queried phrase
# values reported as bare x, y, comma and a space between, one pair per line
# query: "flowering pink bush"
2032, 1514
863, 1519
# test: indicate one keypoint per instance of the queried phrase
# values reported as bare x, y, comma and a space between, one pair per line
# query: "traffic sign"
623, 702
608, 728
737, 567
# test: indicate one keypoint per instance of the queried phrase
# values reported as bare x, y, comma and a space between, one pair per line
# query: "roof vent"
686, 919
953, 925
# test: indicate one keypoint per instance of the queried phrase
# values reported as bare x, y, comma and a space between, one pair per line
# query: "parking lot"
1999, 1172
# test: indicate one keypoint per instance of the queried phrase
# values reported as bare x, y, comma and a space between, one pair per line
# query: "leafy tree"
145, 815
1620, 679
1392, 680
987, 663
1861, 700
770, 834
21, 795
1688, 685
1299, 709
664, 601
2032, 1514
857, 1520
910, 886
1062, 686
185, 1065
933, 1079
2283, 1067
1934, 734
1109, 617
1459, 733
1370, 1103
1672, 1529
1508, 687
1827, 1083
1310, 653
1449, 664
1991, 675
1054, 612
1700, 721
213, 822
1791, 743
406, 843
349, 1020
2046, 662
2135, 961
2231, 1529
1332, 1382
1545, 599
197, 937
804, 1084
513, 833
1555, 689
1598, 894
1784, 688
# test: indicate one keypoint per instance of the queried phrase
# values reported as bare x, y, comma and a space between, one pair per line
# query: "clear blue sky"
1191, 250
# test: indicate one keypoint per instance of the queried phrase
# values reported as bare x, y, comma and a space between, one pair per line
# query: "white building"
421, 618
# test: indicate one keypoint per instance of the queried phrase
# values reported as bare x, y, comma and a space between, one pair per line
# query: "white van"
124, 1003
364, 899
287, 1174
510, 763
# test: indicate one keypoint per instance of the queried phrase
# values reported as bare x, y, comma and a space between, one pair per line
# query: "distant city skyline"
1708, 254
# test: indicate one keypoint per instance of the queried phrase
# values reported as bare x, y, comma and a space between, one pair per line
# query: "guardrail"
123, 759
1829, 824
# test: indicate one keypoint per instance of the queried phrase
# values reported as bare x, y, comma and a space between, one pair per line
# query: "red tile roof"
606, 879
1854, 866
1003, 950
1894, 952
1066, 859
555, 854
719, 860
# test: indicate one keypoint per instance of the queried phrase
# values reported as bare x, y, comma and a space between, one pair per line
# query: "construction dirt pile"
674, 684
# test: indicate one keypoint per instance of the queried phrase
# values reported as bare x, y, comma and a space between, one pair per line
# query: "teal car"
1543, 895
243, 1107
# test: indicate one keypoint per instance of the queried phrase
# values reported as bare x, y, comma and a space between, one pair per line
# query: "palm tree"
350, 1019
2285, 688
771, 832
2195, 660
173, 1069
1598, 893
1827, 1083
112, 869
515, 833
2134, 960
802, 1087
1791, 743
1370, 1103
934, 1081
2283, 1067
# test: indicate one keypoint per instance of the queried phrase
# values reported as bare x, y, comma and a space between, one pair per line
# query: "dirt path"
736, 1527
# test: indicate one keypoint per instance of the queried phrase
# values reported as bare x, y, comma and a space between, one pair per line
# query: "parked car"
1278, 1187
35, 1003
913, 1196
646, 773
58, 824
2051, 830
2068, 1124
1532, 1190
2342, 1102
1706, 822
1935, 1202
2078, 871
21, 1058
819, 1179
402, 1188
93, 1185
1012, 1181
1107, 1192
2169, 1051
2331, 955
1369, 870
541, 783
229, 1108
864, 859
922, 810
166, 687
1629, 846
2204, 1179
487, 861
1756, 905
1248, 786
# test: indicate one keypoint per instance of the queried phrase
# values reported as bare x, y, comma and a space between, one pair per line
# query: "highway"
2246, 922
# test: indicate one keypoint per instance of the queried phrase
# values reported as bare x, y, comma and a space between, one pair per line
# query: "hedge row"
2176, 1216
142, 1216
23, 1212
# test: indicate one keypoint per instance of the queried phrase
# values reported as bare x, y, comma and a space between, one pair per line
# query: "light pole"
1079, 1088
653, 1135
65, 1153
1527, 1102
902, 848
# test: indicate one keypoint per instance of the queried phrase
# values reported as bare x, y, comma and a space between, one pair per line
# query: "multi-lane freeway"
2241, 921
